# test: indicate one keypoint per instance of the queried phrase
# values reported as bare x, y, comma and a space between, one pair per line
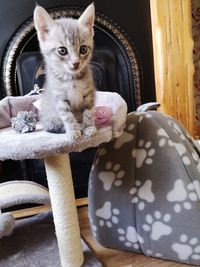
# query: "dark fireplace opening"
117, 67
115, 61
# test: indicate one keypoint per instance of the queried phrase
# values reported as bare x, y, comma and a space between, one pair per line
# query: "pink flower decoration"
103, 116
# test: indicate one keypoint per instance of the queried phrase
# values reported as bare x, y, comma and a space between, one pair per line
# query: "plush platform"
144, 190
39, 144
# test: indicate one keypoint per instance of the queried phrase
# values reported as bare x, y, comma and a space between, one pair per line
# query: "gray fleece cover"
144, 190
40, 144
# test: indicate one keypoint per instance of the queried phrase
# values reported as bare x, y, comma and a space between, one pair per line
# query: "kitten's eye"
62, 51
83, 49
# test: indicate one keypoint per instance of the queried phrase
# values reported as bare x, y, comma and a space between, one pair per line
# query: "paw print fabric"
144, 190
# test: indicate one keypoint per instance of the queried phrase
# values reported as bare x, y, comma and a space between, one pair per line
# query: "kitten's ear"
43, 22
87, 18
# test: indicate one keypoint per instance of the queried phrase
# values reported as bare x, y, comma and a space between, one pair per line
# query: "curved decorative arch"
26, 33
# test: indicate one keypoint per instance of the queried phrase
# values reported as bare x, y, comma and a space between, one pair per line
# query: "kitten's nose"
76, 65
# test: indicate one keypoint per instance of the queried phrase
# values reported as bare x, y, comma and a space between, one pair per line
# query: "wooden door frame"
173, 59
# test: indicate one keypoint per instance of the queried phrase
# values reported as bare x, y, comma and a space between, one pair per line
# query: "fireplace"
122, 62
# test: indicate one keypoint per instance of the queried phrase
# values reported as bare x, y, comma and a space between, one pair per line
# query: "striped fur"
69, 98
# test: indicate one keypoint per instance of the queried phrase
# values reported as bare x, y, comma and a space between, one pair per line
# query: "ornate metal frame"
26, 32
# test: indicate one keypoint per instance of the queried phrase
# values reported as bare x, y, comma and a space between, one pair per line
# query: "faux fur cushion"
39, 144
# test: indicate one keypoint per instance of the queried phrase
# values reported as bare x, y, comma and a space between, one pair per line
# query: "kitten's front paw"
73, 134
89, 131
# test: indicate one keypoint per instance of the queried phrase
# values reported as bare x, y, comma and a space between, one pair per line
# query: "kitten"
69, 97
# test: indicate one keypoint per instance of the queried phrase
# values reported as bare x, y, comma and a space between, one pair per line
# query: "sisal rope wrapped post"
61, 191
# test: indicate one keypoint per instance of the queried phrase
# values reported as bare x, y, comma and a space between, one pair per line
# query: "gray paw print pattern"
183, 195
107, 215
183, 153
187, 248
113, 174
157, 225
176, 129
146, 189
129, 237
125, 138
93, 227
163, 138
142, 116
142, 193
144, 153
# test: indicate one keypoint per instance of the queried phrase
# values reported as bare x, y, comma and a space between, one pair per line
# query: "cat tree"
55, 149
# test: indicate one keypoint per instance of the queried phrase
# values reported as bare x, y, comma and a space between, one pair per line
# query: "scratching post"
59, 178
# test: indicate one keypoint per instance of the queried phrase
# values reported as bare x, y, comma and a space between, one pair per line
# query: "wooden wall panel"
173, 59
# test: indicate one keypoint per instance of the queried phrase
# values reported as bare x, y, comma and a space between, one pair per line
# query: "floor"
108, 257
115, 258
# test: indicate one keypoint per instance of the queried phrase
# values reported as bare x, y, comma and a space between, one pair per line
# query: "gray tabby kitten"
69, 97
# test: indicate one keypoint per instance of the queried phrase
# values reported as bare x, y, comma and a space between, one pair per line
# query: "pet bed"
145, 188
